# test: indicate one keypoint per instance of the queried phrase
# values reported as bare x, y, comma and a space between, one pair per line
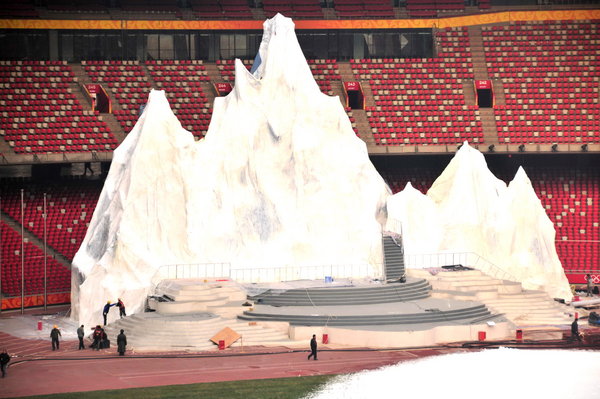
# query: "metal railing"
266, 274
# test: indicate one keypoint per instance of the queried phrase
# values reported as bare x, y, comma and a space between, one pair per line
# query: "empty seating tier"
58, 276
127, 82
421, 101
551, 81
70, 206
182, 82
41, 115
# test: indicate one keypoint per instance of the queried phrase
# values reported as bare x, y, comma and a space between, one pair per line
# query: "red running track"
36, 370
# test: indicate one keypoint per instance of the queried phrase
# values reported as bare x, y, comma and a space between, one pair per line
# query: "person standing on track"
313, 347
54, 334
80, 335
4, 359
121, 343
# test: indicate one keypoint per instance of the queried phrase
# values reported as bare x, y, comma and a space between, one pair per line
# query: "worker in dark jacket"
54, 334
313, 347
575, 331
97, 336
106, 309
80, 335
121, 343
4, 359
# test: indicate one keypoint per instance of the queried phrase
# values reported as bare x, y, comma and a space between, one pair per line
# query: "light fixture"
522, 148
554, 147
584, 148
491, 147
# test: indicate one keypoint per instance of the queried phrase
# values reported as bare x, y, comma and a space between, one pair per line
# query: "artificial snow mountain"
279, 180
468, 210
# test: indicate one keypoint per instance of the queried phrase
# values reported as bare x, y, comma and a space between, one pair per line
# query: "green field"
274, 388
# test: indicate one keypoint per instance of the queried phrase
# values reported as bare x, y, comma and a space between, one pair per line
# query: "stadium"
420, 82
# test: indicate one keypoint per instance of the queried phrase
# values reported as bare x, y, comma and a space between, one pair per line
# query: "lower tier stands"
58, 276
70, 206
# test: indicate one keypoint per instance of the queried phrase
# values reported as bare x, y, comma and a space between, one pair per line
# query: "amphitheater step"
522, 307
152, 331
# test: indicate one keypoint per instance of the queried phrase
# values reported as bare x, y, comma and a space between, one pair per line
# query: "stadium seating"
18, 9
364, 9
434, 8
571, 198
41, 115
76, 6
182, 82
323, 70
58, 276
301, 9
128, 83
421, 101
70, 206
550, 76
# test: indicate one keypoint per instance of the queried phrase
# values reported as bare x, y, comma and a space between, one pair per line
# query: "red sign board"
352, 86
223, 88
483, 84
93, 88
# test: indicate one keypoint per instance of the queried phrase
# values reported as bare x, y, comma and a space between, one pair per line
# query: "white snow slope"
467, 209
280, 179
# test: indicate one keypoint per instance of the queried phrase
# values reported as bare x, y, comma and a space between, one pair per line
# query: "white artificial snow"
491, 374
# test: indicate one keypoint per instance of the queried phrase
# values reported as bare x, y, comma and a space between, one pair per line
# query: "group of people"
99, 337
108, 305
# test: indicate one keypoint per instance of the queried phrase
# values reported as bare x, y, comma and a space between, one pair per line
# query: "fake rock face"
469, 210
279, 180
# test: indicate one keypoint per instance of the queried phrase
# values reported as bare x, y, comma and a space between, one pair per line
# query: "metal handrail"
264, 274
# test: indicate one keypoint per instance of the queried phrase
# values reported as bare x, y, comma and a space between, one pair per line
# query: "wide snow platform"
189, 312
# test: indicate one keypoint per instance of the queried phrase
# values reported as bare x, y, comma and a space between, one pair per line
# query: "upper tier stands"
364, 9
421, 101
41, 115
77, 6
58, 276
182, 82
222, 9
300, 9
551, 77
18, 9
434, 8
70, 207
324, 71
128, 83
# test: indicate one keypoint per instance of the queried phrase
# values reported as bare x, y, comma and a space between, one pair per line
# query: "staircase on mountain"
393, 255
